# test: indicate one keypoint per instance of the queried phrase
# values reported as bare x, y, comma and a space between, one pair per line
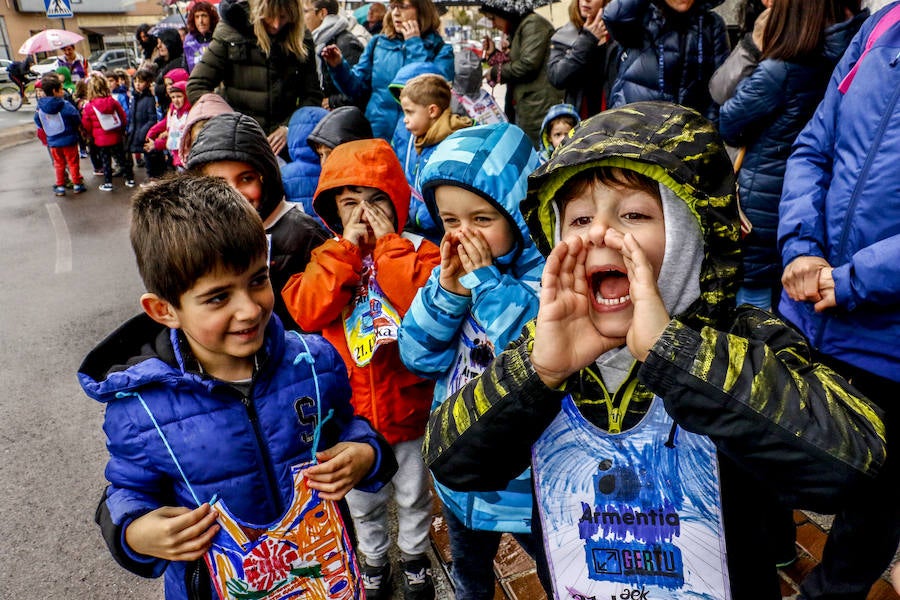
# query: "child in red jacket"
104, 121
166, 135
356, 289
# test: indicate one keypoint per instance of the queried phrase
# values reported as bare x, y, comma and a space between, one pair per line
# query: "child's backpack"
52, 124
108, 121
477, 102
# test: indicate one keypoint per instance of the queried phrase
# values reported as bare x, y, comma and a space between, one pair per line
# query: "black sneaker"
417, 581
377, 581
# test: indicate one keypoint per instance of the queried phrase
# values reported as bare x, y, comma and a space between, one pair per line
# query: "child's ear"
434, 111
160, 310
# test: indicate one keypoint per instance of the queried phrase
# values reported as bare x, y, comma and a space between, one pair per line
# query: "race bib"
369, 320
175, 127
630, 515
305, 555
473, 354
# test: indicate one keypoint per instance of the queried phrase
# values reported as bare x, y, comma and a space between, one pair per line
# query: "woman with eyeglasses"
263, 57
410, 34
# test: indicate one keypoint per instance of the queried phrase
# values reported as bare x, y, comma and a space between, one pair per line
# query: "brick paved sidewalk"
517, 579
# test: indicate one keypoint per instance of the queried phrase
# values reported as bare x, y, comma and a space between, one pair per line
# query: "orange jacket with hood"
395, 401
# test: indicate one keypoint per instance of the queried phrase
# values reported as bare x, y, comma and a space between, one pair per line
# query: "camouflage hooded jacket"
741, 377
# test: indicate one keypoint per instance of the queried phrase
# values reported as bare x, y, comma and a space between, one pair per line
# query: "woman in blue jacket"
802, 43
839, 235
410, 34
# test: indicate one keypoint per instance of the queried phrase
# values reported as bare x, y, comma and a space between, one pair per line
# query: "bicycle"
11, 100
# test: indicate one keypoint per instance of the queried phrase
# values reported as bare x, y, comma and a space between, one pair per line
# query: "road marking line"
63, 241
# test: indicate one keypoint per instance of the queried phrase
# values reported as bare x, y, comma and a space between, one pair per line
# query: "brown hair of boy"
428, 89
185, 227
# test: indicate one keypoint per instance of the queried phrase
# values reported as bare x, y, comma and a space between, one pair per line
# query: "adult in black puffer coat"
237, 138
171, 56
584, 60
264, 58
670, 49
767, 112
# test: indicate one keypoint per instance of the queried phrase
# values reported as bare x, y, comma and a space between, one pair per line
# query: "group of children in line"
120, 122
572, 369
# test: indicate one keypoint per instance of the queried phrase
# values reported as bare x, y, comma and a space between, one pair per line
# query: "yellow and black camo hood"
680, 149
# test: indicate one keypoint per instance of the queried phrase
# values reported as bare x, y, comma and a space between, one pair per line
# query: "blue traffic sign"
58, 9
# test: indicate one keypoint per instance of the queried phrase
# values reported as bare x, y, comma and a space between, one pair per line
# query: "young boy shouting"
356, 289
653, 413
473, 305
207, 396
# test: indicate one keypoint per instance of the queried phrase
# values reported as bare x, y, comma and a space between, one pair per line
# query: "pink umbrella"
49, 40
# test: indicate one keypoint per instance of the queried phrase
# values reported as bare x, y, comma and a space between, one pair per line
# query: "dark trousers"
107, 153
473, 554
156, 164
865, 534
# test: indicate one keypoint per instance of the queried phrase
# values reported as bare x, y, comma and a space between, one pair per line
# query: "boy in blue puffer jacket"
472, 306
214, 414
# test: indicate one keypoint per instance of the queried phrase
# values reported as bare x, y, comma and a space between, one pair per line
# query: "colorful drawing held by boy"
306, 552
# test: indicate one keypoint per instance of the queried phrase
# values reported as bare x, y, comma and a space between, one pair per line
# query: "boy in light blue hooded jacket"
472, 186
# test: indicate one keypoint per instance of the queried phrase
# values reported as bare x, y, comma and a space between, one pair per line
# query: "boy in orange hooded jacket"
356, 289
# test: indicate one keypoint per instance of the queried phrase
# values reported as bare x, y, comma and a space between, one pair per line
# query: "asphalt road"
68, 279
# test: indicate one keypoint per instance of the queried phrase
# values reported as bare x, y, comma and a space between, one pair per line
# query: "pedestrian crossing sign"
58, 9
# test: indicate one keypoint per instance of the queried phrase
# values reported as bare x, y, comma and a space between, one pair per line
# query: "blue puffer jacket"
765, 114
377, 67
238, 446
667, 55
841, 201
436, 336
301, 176
55, 114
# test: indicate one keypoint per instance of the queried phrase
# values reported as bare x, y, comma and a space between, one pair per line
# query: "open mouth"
610, 287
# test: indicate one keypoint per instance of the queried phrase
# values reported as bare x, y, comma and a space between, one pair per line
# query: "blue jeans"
758, 297
473, 554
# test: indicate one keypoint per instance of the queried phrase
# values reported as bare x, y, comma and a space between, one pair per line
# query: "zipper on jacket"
274, 492
854, 198
617, 404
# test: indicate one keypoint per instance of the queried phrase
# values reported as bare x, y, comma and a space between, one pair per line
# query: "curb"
16, 135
